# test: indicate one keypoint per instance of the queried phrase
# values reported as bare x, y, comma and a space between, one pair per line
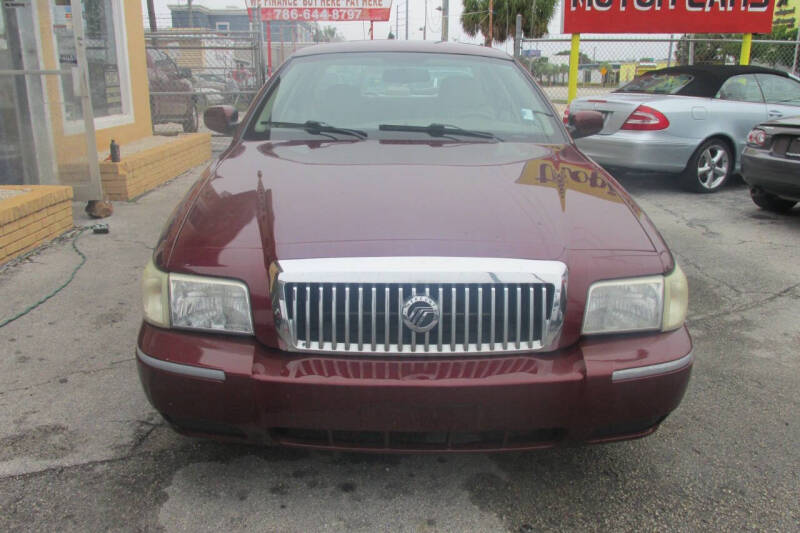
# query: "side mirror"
585, 123
185, 73
221, 118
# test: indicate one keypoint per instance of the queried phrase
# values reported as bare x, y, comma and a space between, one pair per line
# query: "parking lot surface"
81, 449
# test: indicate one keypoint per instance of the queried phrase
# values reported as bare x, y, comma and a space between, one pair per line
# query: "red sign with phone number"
667, 16
325, 10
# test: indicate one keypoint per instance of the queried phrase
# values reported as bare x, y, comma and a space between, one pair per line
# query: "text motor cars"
403, 250
689, 120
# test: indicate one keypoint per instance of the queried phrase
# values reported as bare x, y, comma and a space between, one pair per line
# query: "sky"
416, 10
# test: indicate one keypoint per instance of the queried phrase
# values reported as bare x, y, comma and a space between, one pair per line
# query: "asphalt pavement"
82, 450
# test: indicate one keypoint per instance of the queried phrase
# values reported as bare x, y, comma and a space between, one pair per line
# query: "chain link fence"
606, 63
191, 70
281, 50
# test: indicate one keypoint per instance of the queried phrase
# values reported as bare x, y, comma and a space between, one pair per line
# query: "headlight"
649, 303
195, 302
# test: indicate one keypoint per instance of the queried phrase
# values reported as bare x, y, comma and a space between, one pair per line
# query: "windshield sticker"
527, 114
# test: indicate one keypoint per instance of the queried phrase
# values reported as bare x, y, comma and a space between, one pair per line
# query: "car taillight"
646, 118
565, 118
757, 137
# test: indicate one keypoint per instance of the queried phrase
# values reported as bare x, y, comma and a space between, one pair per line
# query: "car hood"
331, 199
327, 199
269, 201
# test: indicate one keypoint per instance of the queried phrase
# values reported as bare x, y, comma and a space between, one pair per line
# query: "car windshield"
657, 83
398, 95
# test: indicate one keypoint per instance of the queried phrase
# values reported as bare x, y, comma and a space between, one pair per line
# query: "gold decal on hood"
561, 175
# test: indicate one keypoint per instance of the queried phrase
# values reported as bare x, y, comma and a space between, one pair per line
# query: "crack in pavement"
770, 243
686, 260
138, 441
131, 241
780, 294
691, 223
111, 366
66, 468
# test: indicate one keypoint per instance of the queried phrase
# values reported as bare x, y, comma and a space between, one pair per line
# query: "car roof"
392, 45
707, 79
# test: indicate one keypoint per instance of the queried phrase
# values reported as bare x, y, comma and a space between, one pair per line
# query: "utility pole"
259, 25
269, 43
425, 27
491, 22
397, 21
151, 14
533, 19
255, 5
669, 55
191, 14
518, 36
406, 20
445, 19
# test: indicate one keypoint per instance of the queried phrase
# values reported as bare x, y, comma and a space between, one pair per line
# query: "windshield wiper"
440, 130
315, 127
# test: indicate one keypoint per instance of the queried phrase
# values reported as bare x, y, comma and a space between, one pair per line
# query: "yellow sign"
787, 13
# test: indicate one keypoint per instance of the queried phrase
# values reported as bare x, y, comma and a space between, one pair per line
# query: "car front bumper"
639, 150
776, 175
598, 390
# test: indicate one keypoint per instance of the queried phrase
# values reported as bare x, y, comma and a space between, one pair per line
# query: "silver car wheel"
712, 166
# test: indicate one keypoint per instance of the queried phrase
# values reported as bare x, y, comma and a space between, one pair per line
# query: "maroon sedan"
403, 250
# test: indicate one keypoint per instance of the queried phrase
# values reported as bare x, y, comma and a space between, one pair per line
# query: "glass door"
15, 167
47, 131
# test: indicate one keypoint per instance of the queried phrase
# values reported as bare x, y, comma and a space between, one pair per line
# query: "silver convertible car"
691, 120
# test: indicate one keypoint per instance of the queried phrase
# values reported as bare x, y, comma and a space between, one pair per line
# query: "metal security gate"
190, 70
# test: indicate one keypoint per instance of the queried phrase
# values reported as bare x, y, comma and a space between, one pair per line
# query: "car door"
737, 107
781, 94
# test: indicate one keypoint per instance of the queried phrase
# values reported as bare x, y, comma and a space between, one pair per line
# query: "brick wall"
145, 170
41, 213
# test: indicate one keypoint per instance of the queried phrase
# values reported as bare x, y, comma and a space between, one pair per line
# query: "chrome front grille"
356, 305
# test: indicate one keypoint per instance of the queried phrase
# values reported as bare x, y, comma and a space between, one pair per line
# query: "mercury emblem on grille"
420, 314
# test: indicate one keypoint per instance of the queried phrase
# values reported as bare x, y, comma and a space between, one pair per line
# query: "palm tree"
475, 18
563, 71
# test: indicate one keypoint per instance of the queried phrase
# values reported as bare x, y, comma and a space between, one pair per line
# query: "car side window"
743, 88
780, 90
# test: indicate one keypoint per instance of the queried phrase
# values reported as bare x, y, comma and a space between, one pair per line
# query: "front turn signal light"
676, 299
155, 303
